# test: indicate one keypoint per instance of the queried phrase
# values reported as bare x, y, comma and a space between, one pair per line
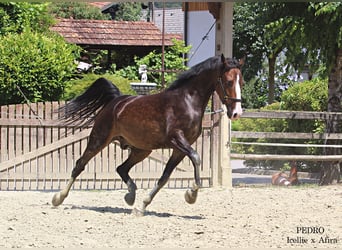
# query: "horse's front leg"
176, 158
191, 194
183, 145
135, 156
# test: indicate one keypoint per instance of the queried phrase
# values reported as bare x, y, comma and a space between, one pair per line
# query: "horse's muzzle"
234, 114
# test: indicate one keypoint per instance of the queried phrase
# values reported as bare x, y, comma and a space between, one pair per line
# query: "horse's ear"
223, 59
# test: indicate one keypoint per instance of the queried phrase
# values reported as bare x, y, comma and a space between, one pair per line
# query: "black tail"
82, 110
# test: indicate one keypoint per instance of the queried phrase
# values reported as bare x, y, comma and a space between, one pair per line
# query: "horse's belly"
149, 137
144, 137
149, 127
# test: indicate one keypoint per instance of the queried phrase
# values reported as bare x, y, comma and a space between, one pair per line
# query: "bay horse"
169, 119
282, 179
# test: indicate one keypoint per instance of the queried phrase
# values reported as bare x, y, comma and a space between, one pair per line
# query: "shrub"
78, 86
304, 96
39, 65
307, 96
174, 60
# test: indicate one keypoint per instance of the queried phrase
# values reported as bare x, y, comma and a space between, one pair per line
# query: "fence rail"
300, 115
38, 153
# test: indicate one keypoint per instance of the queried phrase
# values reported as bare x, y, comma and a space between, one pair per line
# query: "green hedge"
38, 64
78, 86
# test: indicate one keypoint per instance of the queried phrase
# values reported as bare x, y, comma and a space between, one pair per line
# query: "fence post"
214, 142
224, 44
224, 151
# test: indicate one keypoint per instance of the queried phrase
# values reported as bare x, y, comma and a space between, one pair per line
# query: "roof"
113, 33
99, 4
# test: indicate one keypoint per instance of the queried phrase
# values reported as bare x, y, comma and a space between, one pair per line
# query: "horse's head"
229, 86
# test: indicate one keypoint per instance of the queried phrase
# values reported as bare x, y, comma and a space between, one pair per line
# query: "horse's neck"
202, 88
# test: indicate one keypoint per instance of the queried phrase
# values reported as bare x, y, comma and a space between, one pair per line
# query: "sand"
257, 217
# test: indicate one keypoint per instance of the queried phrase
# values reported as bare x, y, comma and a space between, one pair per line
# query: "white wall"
199, 23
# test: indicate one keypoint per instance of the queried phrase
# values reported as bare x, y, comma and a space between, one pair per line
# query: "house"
132, 38
193, 22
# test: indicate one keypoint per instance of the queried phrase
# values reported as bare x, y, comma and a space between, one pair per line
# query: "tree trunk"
271, 80
331, 171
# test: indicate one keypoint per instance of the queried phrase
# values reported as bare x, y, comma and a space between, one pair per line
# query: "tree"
128, 12
308, 32
328, 17
314, 31
246, 42
76, 10
255, 36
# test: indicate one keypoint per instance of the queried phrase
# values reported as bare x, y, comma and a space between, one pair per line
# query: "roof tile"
109, 32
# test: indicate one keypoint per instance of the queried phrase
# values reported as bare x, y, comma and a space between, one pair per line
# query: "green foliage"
76, 87
311, 32
38, 64
261, 125
126, 11
77, 10
261, 30
129, 11
174, 60
247, 38
304, 96
307, 96
327, 18
15, 17
308, 33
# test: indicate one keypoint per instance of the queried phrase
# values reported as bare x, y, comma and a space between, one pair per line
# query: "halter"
226, 97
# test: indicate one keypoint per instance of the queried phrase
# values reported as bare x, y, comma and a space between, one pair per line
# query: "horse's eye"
230, 84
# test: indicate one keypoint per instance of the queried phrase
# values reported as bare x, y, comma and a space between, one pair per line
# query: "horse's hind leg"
135, 156
58, 198
96, 144
175, 159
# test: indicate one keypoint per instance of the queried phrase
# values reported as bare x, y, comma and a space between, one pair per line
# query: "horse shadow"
128, 211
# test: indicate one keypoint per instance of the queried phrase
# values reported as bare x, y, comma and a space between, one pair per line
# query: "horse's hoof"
130, 198
138, 212
57, 199
190, 196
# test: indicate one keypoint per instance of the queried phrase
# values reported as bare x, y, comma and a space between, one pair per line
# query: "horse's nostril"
235, 116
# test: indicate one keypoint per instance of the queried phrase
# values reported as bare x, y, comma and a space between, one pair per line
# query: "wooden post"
224, 153
224, 44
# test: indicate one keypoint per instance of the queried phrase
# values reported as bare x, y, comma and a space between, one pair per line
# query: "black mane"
209, 64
